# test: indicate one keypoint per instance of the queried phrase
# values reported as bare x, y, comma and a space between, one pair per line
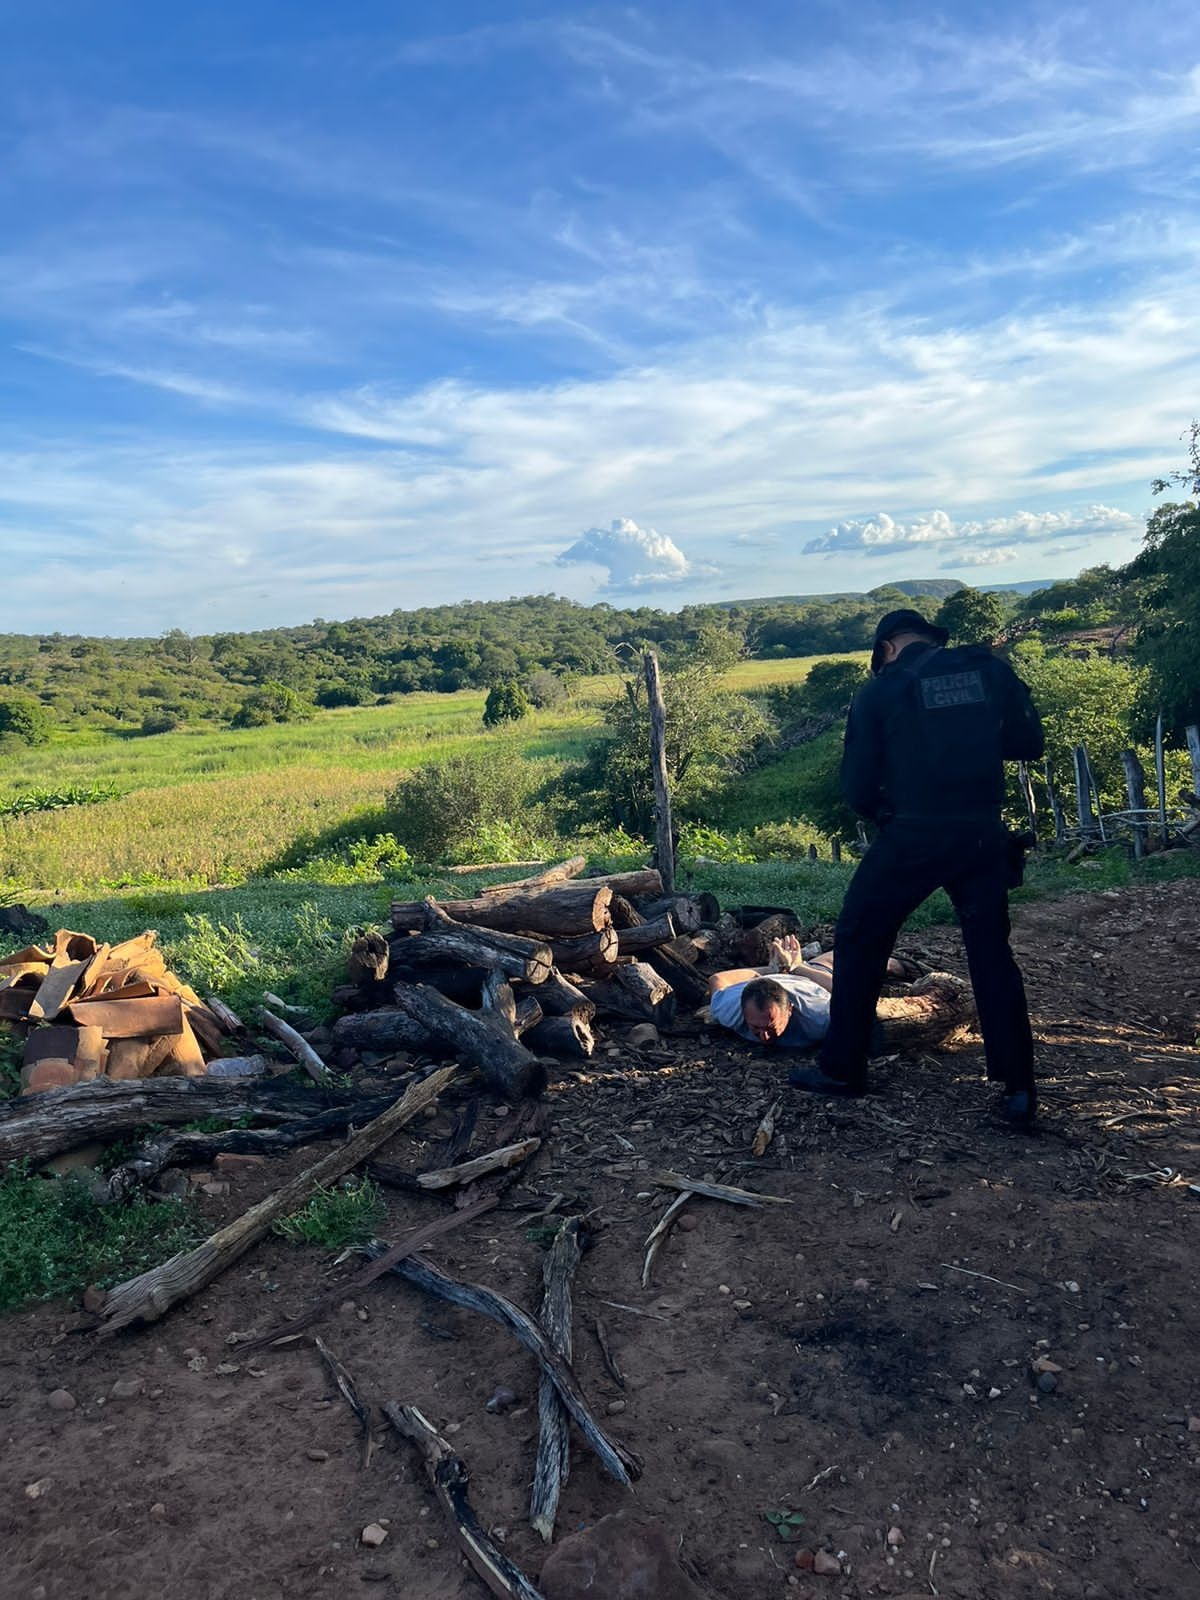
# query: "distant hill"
917, 588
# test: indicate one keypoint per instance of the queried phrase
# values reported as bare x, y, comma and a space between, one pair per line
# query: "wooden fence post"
664, 850
1088, 827
1192, 733
1135, 788
1160, 775
1056, 810
1027, 794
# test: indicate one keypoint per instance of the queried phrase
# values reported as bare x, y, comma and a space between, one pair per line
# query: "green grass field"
210, 806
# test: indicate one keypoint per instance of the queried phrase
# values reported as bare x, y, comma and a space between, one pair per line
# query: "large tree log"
568, 1038
560, 908
476, 1039
385, 1031
642, 881
594, 952
636, 941
39, 1126
686, 910
558, 997
927, 1013
456, 982
447, 940
150, 1295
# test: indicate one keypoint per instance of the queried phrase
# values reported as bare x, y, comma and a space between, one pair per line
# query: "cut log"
691, 988
385, 1032
927, 1013
553, 1466
528, 1014
684, 909
705, 945
646, 989
558, 997
152, 1294
619, 1462
475, 1039
561, 908
447, 940
567, 1038
448, 1474
594, 952
633, 885
456, 982
368, 958
38, 1126
560, 872
635, 941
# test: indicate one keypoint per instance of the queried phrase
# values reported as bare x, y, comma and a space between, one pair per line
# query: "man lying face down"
784, 1003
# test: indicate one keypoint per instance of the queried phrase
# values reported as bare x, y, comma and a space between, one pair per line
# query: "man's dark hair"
764, 992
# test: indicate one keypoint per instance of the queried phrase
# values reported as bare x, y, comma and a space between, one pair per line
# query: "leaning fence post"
1083, 793
1135, 788
1026, 784
1056, 810
664, 850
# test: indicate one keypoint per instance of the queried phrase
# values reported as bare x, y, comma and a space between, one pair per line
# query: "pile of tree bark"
91, 1010
525, 972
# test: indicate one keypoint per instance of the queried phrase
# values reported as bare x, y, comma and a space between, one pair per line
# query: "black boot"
817, 1081
1019, 1108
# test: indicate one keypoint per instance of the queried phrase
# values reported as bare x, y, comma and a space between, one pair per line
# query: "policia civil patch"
953, 689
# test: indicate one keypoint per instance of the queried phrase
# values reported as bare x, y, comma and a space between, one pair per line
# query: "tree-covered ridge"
154, 684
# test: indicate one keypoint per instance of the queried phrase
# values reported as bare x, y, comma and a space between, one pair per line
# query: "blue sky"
314, 311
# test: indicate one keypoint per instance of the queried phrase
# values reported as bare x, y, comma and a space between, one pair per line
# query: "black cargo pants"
909, 859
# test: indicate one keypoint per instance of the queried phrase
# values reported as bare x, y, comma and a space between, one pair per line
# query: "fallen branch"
349, 1393
610, 1360
621, 1463
475, 1039
198, 1149
38, 1126
450, 1479
509, 1155
297, 1044
553, 1466
151, 1294
657, 1235
713, 1191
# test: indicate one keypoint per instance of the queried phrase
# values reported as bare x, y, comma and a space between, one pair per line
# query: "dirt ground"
861, 1356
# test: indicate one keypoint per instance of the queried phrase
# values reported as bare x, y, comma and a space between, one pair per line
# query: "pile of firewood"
522, 973
95, 1010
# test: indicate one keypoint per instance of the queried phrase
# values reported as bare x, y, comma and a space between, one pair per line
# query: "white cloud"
635, 558
975, 543
980, 558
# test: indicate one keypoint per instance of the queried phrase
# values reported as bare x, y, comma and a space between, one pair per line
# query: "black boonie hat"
903, 621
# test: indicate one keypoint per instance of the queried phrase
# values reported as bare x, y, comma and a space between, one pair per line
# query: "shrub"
160, 722
24, 719
464, 802
506, 702
545, 689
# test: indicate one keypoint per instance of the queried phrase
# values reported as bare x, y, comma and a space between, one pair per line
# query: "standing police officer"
926, 743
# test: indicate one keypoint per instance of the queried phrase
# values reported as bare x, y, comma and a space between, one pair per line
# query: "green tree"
24, 719
710, 734
1166, 574
971, 616
1085, 699
479, 804
273, 702
506, 702
831, 685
